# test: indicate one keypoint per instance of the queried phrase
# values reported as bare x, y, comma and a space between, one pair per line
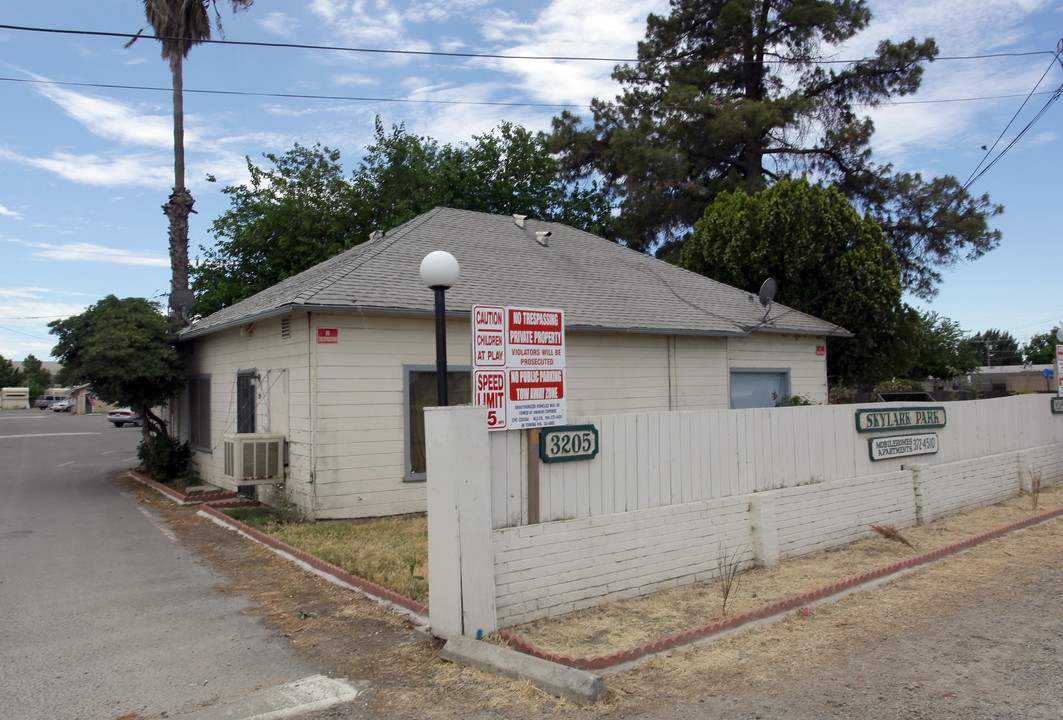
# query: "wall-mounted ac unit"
254, 458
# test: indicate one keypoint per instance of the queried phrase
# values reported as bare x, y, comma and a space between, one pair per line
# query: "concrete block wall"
559, 567
818, 517
948, 489
552, 568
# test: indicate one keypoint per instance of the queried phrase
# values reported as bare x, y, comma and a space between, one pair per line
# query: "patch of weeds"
1035, 488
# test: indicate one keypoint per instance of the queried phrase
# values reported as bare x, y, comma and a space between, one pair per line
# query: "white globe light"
1059, 334
440, 269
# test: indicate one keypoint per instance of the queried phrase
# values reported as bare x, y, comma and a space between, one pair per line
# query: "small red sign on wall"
821, 349
327, 335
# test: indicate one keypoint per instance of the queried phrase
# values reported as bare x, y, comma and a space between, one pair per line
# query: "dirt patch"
350, 636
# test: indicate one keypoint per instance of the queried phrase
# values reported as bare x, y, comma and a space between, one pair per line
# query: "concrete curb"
566, 682
181, 498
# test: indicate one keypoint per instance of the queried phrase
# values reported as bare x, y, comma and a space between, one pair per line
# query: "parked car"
64, 405
45, 401
121, 416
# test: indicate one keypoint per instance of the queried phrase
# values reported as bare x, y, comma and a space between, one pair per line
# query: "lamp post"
440, 271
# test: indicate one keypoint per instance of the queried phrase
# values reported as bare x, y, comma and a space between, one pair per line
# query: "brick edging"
181, 498
600, 662
317, 563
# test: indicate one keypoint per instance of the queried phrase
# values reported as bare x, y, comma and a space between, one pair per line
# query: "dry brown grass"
392, 552
617, 626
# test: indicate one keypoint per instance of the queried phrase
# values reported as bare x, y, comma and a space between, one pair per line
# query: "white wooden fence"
668, 492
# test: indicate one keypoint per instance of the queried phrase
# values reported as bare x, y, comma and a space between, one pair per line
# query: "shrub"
166, 460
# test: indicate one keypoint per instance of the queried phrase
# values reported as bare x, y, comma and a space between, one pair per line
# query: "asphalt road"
102, 612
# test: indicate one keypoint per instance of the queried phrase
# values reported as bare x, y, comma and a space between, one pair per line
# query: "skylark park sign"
888, 419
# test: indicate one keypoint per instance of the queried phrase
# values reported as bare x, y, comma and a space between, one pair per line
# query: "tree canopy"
36, 376
941, 350
126, 351
738, 94
827, 260
10, 376
995, 347
299, 209
1041, 349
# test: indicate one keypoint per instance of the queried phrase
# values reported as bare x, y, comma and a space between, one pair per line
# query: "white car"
64, 405
121, 416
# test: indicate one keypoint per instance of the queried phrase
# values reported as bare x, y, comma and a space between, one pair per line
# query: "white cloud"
570, 28
278, 23
114, 120
8, 212
90, 252
111, 170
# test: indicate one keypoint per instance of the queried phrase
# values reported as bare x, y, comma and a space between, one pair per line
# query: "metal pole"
441, 346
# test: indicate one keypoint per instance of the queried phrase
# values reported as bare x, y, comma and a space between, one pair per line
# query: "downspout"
311, 398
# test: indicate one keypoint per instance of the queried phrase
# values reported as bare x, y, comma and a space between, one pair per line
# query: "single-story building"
331, 368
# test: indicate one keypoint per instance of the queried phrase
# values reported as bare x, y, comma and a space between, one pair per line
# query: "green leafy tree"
10, 376
300, 209
995, 347
126, 351
1041, 349
827, 260
941, 351
38, 377
180, 24
738, 94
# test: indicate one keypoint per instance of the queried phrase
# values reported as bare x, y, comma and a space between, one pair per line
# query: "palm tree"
180, 24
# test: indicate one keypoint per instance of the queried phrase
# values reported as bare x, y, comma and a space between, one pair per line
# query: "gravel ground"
977, 635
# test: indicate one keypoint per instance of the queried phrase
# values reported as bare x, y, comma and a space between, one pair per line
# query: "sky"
86, 153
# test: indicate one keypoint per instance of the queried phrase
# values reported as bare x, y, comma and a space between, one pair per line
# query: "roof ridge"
364, 252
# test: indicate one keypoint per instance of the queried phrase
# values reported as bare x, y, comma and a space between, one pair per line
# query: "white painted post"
764, 528
461, 572
916, 469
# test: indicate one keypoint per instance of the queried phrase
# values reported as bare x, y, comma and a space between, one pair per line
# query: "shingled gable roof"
601, 286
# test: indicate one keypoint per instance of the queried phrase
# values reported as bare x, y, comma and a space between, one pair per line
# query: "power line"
979, 171
487, 56
358, 98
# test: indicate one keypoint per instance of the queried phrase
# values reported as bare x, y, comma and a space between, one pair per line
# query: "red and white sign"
1059, 369
489, 390
535, 338
536, 398
327, 336
518, 366
488, 336
821, 350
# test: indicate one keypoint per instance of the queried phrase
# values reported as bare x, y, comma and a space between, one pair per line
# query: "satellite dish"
181, 302
767, 291
182, 299
767, 294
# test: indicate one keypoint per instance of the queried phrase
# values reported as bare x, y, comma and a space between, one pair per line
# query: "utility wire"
357, 98
488, 56
289, 96
979, 171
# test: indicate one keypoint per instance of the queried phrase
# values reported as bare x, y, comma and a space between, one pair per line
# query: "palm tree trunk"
180, 204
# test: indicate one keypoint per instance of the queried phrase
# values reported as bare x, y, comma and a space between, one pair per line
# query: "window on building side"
421, 393
755, 388
199, 412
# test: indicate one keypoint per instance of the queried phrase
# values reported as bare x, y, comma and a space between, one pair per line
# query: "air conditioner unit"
254, 458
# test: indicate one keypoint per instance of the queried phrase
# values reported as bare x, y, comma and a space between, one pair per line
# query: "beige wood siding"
341, 404
808, 371
282, 403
